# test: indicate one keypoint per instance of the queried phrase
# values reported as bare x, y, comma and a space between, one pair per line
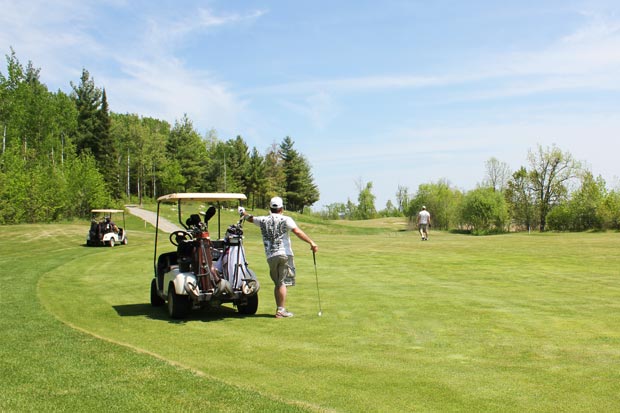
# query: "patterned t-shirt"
275, 231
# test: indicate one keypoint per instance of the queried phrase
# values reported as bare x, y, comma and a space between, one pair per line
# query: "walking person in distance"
424, 221
275, 229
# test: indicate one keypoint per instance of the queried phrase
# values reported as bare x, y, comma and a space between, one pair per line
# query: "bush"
484, 211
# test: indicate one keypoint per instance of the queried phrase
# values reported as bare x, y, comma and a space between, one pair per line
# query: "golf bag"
235, 268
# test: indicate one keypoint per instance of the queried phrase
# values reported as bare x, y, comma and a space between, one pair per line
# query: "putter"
320, 313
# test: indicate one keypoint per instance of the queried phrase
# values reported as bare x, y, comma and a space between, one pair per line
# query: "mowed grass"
513, 322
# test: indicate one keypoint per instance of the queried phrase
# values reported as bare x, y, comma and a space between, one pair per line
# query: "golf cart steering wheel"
177, 237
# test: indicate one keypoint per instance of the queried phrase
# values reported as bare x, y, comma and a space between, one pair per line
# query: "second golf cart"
201, 272
103, 230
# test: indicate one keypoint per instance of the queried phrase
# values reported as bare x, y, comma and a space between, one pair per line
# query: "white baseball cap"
276, 202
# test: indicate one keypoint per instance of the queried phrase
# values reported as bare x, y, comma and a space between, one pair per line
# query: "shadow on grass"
202, 314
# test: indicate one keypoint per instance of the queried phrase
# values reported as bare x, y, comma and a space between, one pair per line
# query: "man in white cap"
275, 231
424, 221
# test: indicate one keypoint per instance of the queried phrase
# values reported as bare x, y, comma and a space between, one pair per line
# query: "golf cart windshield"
205, 197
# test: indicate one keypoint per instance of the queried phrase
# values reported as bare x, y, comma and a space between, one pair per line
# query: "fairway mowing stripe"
195, 371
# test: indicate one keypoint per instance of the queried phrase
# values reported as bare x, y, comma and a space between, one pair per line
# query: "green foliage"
300, 190
14, 188
484, 210
610, 210
402, 199
550, 171
365, 208
390, 210
521, 200
256, 178
586, 209
336, 210
43, 133
186, 147
87, 98
86, 188
441, 200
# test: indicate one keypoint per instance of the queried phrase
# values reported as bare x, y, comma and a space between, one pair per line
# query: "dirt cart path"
151, 218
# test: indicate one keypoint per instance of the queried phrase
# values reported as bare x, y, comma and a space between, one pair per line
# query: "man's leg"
280, 294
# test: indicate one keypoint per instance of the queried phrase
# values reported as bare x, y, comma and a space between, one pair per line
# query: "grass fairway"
502, 323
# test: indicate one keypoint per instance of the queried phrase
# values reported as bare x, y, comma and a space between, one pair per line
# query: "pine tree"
108, 152
300, 190
87, 99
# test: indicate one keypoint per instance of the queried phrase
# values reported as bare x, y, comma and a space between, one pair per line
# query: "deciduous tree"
550, 171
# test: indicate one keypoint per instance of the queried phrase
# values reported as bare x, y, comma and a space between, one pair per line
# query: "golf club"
317, 284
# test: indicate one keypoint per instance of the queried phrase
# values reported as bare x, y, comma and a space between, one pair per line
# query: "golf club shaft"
316, 275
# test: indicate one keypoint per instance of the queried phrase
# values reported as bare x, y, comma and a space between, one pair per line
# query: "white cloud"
319, 108
588, 57
166, 89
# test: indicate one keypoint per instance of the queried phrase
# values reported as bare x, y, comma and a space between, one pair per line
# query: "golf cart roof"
201, 196
106, 211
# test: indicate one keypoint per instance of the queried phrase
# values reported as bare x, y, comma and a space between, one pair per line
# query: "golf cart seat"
164, 264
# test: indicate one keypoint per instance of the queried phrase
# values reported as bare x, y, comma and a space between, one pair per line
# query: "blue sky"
397, 93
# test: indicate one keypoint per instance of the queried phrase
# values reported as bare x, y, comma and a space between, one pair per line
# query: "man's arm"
244, 213
302, 235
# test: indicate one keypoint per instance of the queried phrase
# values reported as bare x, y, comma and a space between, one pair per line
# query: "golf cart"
201, 272
103, 230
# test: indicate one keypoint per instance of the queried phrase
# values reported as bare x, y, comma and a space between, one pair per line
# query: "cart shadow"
159, 313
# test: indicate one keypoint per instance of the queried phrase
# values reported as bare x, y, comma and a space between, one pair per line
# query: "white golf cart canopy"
202, 196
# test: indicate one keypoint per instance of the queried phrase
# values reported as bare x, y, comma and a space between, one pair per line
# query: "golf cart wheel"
156, 300
178, 305
125, 242
111, 242
250, 307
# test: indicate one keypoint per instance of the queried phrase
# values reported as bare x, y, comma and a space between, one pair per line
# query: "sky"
397, 93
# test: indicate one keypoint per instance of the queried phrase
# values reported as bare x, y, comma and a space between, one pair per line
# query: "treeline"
555, 192
64, 154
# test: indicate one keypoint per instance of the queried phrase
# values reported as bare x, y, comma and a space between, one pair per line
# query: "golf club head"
209, 214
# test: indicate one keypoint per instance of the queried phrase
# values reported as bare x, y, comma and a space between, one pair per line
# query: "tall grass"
502, 323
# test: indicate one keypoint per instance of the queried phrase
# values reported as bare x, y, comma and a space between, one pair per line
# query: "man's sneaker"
283, 314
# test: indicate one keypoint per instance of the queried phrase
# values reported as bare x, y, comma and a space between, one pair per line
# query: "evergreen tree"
187, 148
275, 178
108, 151
87, 98
300, 190
256, 178
238, 160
